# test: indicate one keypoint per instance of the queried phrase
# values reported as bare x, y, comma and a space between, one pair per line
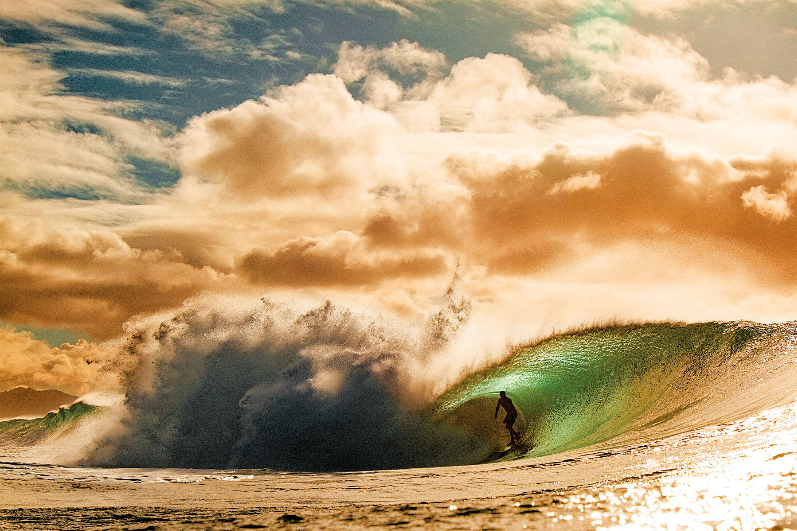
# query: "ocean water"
312, 420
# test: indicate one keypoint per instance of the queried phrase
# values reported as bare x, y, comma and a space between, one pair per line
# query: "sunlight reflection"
731, 486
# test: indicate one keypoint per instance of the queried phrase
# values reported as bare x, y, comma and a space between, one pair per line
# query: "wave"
26, 432
630, 384
272, 386
327, 388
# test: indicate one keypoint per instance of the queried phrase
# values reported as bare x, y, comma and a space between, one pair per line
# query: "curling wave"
328, 388
630, 384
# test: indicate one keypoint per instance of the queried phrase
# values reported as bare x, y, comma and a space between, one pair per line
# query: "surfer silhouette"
511, 414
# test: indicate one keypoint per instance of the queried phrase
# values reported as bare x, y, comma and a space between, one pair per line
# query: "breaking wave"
627, 385
327, 388
219, 385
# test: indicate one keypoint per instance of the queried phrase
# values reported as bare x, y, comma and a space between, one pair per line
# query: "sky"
563, 162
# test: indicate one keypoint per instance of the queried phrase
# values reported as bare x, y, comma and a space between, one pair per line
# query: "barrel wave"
627, 385
326, 388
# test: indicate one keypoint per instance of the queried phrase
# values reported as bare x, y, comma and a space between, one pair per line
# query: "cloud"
334, 262
420, 223
62, 274
66, 145
603, 66
648, 196
494, 94
491, 94
74, 369
413, 67
319, 190
552, 11
69, 43
549, 45
217, 29
128, 76
69, 13
311, 138
577, 182
614, 68
773, 205
671, 8
310, 189
406, 58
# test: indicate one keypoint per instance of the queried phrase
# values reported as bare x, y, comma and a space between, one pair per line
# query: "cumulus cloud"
614, 67
311, 138
406, 58
494, 94
388, 76
773, 205
577, 182
86, 278
74, 369
608, 67
491, 94
312, 261
419, 223
647, 196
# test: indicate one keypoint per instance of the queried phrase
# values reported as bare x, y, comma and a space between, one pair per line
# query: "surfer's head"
502, 393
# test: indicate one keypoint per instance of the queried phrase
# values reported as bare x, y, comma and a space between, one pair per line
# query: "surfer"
511, 414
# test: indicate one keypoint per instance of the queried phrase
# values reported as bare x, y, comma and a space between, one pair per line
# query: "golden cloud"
312, 138
87, 279
647, 195
75, 369
334, 262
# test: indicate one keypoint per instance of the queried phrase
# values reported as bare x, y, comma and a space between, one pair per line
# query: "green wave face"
24, 432
640, 382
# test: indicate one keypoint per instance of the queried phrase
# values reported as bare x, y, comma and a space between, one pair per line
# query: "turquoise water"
589, 387
32, 431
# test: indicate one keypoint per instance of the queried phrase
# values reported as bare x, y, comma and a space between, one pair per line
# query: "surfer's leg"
511, 432
513, 435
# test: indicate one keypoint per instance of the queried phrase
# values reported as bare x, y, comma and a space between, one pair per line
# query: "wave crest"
271, 386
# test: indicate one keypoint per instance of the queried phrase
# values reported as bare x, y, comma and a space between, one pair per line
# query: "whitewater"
324, 417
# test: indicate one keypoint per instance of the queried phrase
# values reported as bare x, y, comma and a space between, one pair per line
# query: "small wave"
27, 432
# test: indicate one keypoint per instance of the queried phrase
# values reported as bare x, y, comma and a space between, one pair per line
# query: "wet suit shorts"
510, 418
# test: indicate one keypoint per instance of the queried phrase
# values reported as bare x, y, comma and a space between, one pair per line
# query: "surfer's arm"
496, 409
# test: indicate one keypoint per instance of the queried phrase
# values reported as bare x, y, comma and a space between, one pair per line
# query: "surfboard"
509, 452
